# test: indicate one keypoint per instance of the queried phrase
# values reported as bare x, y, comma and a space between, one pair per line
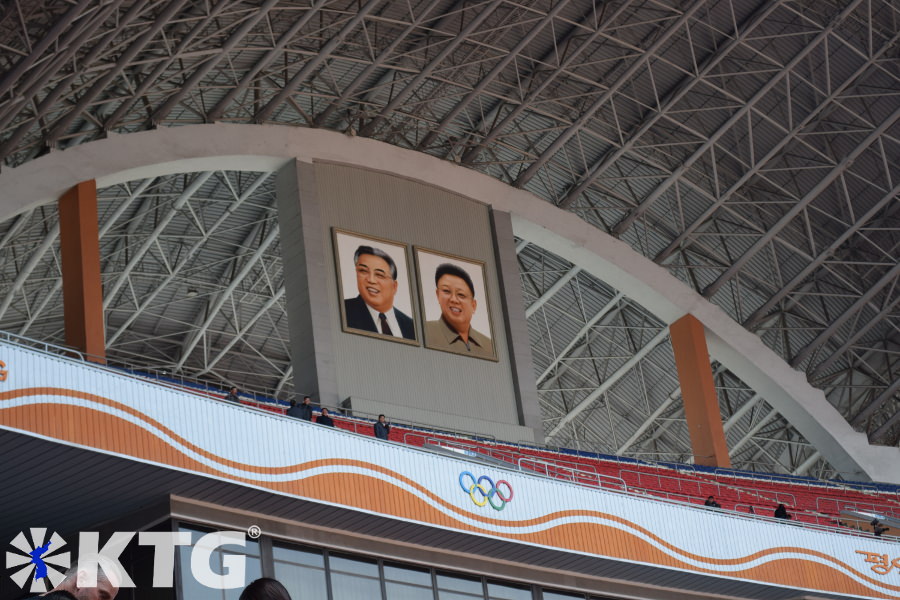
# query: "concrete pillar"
82, 291
698, 392
303, 246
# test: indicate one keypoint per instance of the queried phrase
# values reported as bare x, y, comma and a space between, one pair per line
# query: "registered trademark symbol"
254, 531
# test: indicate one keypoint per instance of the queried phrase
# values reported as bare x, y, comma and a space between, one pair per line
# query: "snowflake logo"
38, 560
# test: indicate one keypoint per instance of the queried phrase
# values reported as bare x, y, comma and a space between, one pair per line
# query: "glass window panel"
403, 591
407, 575
350, 565
468, 585
310, 558
445, 595
350, 587
497, 591
559, 596
303, 582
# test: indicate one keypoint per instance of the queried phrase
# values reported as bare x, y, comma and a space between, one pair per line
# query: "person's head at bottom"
81, 584
265, 588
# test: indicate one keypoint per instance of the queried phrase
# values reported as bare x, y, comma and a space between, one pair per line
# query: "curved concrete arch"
121, 158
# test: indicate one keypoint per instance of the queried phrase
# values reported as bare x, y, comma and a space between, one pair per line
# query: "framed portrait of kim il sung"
374, 289
455, 304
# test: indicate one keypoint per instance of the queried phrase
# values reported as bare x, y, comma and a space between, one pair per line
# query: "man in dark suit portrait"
373, 309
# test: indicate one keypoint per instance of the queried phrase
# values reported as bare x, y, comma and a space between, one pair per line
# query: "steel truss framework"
751, 148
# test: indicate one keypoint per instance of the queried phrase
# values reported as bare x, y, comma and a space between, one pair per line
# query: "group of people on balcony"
780, 511
304, 412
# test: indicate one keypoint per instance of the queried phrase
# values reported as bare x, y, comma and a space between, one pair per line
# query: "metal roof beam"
33, 260
610, 381
39, 311
69, 45
674, 396
213, 312
581, 334
382, 57
48, 101
104, 229
313, 63
870, 323
836, 324
760, 313
804, 467
151, 79
179, 203
736, 116
814, 114
288, 374
623, 79
526, 80
472, 153
551, 291
219, 109
875, 404
183, 260
236, 36
649, 421
795, 209
444, 18
102, 84
461, 37
279, 293
46, 40
742, 32
14, 229
740, 412
510, 56
752, 431
879, 434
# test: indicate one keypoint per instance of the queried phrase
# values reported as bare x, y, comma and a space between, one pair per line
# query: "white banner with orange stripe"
79, 404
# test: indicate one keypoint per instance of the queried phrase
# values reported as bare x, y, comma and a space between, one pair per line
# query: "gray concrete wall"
408, 382
303, 247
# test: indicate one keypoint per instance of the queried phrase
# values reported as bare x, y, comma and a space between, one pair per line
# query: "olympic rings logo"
483, 490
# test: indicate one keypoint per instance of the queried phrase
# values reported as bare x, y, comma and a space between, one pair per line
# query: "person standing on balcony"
233, 395
382, 428
782, 513
711, 501
305, 410
325, 419
294, 410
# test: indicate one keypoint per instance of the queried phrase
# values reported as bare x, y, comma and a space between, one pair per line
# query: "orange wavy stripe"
290, 469
79, 425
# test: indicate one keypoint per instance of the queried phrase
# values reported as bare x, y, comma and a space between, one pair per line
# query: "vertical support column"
698, 392
525, 387
303, 245
79, 246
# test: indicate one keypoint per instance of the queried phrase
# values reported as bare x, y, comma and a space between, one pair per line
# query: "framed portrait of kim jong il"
455, 304
374, 287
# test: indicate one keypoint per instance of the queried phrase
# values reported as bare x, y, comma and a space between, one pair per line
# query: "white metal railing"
572, 474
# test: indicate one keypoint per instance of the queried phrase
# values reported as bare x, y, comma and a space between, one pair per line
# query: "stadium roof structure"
749, 148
